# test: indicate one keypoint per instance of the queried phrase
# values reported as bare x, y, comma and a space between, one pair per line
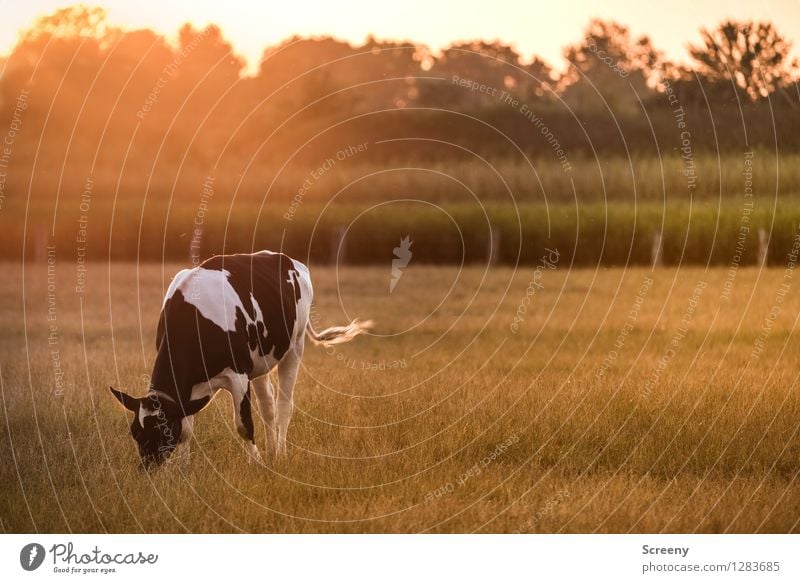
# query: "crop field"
543, 399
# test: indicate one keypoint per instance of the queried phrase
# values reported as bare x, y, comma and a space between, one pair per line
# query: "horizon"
671, 33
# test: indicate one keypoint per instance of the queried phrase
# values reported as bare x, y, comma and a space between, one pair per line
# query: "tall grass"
461, 179
525, 180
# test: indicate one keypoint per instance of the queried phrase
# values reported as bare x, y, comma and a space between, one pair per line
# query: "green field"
703, 234
609, 400
606, 211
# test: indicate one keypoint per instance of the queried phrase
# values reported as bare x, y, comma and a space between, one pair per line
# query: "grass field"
589, 401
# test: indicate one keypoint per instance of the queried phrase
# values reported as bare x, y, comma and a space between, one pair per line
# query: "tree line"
89, 101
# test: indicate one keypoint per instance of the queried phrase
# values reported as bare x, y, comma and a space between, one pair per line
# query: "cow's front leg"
242, 413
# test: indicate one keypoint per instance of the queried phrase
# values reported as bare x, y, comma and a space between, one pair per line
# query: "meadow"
542, 399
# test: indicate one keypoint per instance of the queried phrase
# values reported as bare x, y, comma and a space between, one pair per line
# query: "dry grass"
711, 446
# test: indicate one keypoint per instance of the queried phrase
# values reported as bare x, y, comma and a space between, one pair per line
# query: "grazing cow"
224, 324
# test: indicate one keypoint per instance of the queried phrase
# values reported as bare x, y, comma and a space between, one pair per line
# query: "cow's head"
157, 424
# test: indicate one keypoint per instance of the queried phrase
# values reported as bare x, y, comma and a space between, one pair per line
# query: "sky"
533, 27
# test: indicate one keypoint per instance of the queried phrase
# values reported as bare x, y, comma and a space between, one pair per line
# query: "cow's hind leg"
242, 412
262, 387
287, 375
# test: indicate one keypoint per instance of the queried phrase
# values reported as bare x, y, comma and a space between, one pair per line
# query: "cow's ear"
130, 403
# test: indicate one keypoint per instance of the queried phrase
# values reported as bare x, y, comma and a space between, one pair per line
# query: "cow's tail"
338, 334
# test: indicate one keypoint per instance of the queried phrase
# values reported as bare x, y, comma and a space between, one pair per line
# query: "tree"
398, 62
476, 73
62, 48
303, 70
609, 61
540, 81
751, 55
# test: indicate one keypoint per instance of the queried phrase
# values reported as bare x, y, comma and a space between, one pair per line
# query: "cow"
226, 324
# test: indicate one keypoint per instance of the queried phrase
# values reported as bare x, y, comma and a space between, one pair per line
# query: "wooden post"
657, 250
338, 246
493, 252
763, 247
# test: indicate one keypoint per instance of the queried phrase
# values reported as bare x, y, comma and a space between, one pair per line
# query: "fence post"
763, 247
657, 250
494, 246
338, 246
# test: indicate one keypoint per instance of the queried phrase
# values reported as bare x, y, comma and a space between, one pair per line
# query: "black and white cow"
224, 324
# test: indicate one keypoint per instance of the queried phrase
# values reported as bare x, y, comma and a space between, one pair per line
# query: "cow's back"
232, 311
268, 288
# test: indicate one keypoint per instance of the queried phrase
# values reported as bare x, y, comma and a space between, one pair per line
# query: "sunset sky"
533, 27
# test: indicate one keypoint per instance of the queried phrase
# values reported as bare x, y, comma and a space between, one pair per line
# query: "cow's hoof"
254, 456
